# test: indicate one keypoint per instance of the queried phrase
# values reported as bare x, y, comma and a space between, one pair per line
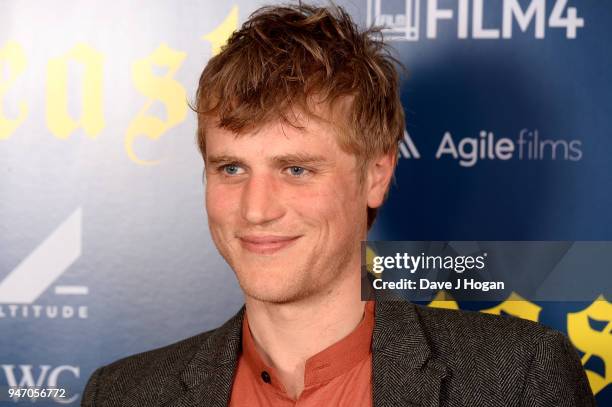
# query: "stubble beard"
310, 280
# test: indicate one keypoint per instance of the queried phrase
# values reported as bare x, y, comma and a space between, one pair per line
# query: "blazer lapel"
404, 371
208, 377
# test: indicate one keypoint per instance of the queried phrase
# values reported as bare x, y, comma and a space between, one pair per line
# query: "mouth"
266, 244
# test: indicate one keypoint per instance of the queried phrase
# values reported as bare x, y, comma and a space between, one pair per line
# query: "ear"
378, 176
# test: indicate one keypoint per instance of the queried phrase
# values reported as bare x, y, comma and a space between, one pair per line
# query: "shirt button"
265, 376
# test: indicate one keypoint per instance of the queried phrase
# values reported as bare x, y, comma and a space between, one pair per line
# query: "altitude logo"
528, 145
402, 19
22, 287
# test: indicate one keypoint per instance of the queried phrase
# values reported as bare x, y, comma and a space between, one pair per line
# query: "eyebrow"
222, 159
299, 159
279, 160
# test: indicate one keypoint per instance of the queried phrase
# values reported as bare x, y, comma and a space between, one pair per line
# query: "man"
299, 119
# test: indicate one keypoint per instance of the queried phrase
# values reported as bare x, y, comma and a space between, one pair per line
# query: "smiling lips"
266, 244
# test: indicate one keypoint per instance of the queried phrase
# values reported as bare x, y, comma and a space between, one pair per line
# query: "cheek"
350, 206
219, 201
336, 207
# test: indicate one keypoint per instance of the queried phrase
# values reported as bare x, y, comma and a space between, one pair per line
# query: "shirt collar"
325, 365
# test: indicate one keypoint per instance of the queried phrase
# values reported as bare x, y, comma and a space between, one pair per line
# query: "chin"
271, 295
278, 288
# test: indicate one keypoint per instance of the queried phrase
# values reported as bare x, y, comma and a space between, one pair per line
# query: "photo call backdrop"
104, 244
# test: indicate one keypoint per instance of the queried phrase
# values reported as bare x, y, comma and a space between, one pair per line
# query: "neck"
287, 334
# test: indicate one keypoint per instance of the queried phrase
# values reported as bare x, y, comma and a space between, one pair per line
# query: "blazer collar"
209, 375
218, 353
404, 371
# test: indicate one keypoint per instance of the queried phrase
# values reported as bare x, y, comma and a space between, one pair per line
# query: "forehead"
320, 120
301, 132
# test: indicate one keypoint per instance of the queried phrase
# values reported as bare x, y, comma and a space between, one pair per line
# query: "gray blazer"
421, 357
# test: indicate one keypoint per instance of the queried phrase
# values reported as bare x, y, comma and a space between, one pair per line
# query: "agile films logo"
21, 288
528, 145
402, 19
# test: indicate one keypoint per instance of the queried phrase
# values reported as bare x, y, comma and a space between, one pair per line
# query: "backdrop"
104, 245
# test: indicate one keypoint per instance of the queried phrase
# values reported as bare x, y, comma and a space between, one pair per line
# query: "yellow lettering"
370, 254
157, 88
443, 300
517, 306
60, 122
13, 56
591, 341
219, 36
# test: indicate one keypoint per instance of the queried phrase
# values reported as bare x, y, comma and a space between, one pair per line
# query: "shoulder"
495, 339
109, 384
513, 358
142, 375
446, 327
464, 325
166, 358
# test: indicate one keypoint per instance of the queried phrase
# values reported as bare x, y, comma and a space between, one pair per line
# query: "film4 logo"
44, 377
402, 19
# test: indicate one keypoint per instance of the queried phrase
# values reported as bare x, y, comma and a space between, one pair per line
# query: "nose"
261, 201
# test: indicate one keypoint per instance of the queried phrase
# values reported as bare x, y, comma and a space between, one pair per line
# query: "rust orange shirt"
340, 375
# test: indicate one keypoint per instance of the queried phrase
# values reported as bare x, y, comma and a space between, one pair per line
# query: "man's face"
285, 208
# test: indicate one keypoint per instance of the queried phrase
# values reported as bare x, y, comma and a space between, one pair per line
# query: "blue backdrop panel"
104, 245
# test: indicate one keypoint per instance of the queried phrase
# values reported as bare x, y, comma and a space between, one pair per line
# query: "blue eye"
297, 171
231, 169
